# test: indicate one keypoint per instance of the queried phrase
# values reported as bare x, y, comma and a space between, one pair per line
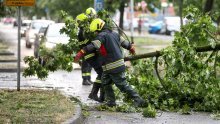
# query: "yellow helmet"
81, 17
90, 11
96, 25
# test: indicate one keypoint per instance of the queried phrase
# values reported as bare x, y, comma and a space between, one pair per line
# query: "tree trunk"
121, 9
218, 20
208, 5
157, 53
108, 5
181, 12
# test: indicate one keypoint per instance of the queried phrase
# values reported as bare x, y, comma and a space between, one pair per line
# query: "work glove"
132, 49
79, 55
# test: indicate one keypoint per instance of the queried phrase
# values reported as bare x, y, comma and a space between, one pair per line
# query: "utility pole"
181, 12
132, 17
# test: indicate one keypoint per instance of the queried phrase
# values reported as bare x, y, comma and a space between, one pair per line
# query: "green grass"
34, 106
150, 41
145, 45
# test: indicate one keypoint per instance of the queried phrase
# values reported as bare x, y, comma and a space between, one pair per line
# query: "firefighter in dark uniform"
85, 67
109, 44
94, 60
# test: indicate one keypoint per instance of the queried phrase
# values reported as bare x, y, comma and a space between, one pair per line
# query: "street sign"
19, 2
98, 5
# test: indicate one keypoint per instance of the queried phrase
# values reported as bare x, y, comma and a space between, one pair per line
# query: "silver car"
50, 39
24, 25
34, 29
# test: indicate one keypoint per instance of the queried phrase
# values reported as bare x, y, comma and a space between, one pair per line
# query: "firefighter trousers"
119, 80
86, 70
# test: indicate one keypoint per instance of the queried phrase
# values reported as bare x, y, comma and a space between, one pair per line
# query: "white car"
51, 38
127, 24
34, 29
171, 25
24, 25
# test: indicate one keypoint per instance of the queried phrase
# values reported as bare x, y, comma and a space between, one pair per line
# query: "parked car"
37, 40
172, 25
51, 38
34, 29
155, 27
24, 25
127, 24
146, 23
8, 20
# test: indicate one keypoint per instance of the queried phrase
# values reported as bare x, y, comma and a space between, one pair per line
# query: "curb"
9, 60
77, 118
6, 53
10, 70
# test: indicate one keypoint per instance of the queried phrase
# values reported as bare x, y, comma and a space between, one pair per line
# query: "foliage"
125, 107
6, 11
149, 112
188, 80
216, 116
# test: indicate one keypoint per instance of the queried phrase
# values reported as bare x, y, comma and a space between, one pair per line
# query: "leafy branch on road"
190, 78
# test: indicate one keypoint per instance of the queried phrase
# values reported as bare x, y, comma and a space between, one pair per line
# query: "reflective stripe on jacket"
113, 65
89, 56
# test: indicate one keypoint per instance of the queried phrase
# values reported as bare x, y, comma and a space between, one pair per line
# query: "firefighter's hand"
132, 50
79, 55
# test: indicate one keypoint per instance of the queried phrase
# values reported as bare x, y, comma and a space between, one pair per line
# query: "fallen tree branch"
158, 53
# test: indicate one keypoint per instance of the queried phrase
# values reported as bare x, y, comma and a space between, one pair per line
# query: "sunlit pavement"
70, 84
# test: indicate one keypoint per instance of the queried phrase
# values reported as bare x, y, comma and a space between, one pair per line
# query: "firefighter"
109, 44
93, 59
85, 67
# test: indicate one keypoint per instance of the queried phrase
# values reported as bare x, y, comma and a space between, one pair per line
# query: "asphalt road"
70, 84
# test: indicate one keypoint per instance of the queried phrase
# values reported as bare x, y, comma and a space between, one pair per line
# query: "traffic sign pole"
19, 49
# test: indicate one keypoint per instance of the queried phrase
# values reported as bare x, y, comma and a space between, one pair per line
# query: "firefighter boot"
90, 81
110, 96
93, 95
102, 95
86, 82
139, 102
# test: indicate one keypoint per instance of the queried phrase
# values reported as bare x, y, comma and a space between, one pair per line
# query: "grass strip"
34, 106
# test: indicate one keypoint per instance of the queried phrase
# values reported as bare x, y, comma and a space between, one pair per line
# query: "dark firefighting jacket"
109, 44
91, 57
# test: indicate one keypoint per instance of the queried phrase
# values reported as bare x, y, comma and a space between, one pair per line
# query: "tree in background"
2, 13
51, 8
204, 5
208, 5
6, 11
